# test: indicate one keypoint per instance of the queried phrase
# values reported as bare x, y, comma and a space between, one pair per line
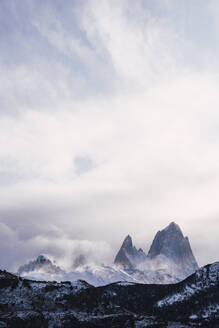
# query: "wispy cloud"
123, 92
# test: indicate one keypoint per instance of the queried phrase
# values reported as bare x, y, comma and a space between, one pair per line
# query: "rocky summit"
169, 260
128, 256
171, 244
169, 255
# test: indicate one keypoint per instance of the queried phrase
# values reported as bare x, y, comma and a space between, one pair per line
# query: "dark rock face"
170, 254
128, 256
193, 302
171, 243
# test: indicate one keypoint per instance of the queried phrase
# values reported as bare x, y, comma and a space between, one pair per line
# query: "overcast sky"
109, 125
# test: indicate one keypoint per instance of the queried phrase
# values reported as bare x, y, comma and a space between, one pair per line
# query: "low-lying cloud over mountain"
52, 241
108, 125
170, 259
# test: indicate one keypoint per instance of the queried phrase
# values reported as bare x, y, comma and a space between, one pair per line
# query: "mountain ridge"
193, 302
130, 264
41, 262
128, 256
169, 247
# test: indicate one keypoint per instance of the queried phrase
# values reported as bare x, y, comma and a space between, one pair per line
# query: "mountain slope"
170, 256
41, 263
128, 256
25, 303
98, 275
171, 243
170, 259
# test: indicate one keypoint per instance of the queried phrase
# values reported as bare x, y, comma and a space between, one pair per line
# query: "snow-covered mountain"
193, 302
202, 280
41, 264
97, 275
170, 259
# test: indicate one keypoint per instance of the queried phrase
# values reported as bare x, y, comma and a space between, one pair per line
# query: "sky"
109, 125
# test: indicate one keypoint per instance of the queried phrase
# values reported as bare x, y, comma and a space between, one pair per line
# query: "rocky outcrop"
172, 245
128, 256
170, 256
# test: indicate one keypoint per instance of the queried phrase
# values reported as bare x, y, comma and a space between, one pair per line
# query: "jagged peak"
128, 237
127, 242
173, 225
171, 243
128, 255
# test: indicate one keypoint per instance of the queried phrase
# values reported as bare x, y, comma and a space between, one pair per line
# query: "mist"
108, 127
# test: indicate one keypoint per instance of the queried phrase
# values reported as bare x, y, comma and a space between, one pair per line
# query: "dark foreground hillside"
193, 302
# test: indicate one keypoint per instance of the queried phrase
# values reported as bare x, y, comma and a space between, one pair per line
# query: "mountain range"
170, 259
163, 288
170, 251
193, 302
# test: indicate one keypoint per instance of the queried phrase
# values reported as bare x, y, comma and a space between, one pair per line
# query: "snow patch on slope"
205, 277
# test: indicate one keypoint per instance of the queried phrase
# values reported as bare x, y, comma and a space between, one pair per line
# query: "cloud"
140, 47
48, 240
114, 94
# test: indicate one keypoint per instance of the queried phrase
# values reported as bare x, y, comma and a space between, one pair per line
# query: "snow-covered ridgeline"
204, 278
